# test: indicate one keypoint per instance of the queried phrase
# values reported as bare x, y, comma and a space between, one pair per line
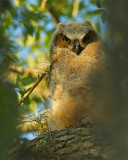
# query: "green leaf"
28, 80
98, 3
37, 35
98, 11
27, 101
29, 28
22, 82
93, 1
22, 92
104, 16
27, 14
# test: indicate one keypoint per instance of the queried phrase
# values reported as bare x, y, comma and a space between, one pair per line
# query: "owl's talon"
71, 126
87, 125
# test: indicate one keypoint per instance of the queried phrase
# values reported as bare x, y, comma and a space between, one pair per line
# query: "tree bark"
90, 143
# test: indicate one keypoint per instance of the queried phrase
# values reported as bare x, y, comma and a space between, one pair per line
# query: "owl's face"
75, 36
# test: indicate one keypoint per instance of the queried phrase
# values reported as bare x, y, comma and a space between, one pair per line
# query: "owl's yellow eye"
66, 39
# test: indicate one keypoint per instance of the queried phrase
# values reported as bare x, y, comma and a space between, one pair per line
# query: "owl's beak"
77, 48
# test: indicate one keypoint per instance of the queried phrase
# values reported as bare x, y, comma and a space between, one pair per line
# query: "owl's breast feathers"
76, 72
91, 58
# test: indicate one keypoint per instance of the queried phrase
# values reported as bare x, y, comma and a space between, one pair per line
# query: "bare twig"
43, 3
75, 8
54, 15
41, 98
51, 10
32, 88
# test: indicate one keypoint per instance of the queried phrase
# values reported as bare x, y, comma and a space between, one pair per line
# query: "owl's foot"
72, 126
85, 122
86, 125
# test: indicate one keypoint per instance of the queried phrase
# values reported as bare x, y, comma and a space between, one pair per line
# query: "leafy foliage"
26, 28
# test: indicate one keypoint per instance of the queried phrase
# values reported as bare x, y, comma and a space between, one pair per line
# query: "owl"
77, 60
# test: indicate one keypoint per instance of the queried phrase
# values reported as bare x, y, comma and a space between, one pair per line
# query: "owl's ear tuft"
87, 23
60, 25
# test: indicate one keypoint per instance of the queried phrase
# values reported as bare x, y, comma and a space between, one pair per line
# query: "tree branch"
90, 143
32, 88
51, 10
75, 8
53, 14
43, 3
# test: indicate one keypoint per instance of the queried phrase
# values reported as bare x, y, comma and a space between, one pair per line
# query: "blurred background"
26, 27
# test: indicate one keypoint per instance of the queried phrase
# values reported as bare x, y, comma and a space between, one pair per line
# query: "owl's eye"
86, 38
66, 39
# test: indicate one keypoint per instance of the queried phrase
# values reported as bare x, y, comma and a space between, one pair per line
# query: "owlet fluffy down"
77, 64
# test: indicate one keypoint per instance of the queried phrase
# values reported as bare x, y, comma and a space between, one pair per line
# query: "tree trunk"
90, 143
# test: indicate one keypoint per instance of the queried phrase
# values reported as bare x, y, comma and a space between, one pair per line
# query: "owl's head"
74, 36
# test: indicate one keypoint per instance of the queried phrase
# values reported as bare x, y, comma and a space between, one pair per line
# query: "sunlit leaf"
98, 11
29, 28
25, 81
98, 3
27, 101
37, 35
29, 80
